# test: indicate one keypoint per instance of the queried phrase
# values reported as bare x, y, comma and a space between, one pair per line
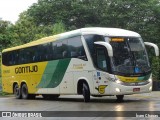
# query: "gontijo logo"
101, 89
26, 69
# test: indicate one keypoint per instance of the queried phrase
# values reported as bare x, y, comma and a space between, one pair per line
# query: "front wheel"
17, 92
86, 92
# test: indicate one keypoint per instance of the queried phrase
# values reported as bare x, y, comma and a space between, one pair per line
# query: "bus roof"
109, 32
83, 31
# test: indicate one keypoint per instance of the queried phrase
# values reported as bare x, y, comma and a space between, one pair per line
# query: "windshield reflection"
129, 55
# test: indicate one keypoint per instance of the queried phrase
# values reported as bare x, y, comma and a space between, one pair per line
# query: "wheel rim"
16, 91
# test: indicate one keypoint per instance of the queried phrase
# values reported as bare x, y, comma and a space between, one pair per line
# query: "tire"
17, 92
119, 98
86, 92
24, 91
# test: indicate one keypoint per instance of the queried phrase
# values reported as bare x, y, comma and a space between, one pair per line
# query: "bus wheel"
24, 90
119, 98
86, 92
17, 92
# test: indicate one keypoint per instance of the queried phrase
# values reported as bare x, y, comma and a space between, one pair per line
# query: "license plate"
136, 89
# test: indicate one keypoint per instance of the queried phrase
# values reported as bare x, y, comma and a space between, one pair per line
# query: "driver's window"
101, 59
90, 39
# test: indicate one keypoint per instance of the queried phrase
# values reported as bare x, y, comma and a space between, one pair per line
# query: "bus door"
102, 62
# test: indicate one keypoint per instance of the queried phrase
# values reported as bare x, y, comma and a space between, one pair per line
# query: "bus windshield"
129, 56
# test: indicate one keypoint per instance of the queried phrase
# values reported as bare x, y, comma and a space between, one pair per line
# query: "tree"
5, 34
139, 16
26, 30
73, 13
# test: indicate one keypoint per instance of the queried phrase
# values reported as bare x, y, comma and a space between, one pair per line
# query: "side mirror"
107, 46
156, 49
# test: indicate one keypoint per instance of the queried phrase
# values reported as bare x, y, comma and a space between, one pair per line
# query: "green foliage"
141, 16
5, 34
156, 68
58, 28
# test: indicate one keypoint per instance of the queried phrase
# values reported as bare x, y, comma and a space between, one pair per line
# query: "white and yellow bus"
87, 61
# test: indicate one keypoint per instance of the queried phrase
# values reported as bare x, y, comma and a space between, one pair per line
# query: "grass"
3, 93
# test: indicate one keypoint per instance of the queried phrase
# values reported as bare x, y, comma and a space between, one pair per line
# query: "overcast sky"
10, 9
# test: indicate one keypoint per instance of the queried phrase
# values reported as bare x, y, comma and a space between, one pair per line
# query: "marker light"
118, 81
150, 88
117, 39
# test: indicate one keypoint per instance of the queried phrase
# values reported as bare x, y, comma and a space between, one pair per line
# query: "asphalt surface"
138, 102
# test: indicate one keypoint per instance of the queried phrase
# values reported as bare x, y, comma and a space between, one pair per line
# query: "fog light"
118, 90
150, 88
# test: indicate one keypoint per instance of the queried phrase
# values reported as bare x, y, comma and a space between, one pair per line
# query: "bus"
91, 61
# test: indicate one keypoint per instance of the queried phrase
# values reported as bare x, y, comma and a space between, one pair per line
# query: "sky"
10, 9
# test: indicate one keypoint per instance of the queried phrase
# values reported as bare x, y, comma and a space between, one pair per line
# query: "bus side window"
12, 55
7, 58
59, 50
64, 54
16, 60
54, 51
49, 51
73, 54
76, 49
65, 49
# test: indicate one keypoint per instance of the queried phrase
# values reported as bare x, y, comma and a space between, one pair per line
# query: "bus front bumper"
118, 89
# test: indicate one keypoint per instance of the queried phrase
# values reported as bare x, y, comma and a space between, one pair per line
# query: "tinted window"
61, 49
69, 48
76, 49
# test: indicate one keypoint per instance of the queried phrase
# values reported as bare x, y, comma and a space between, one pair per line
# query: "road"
137, 102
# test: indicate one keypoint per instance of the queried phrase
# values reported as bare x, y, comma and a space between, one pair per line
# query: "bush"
156, 68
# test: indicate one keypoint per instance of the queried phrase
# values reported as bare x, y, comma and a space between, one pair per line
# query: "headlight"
150, 88
113, 78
